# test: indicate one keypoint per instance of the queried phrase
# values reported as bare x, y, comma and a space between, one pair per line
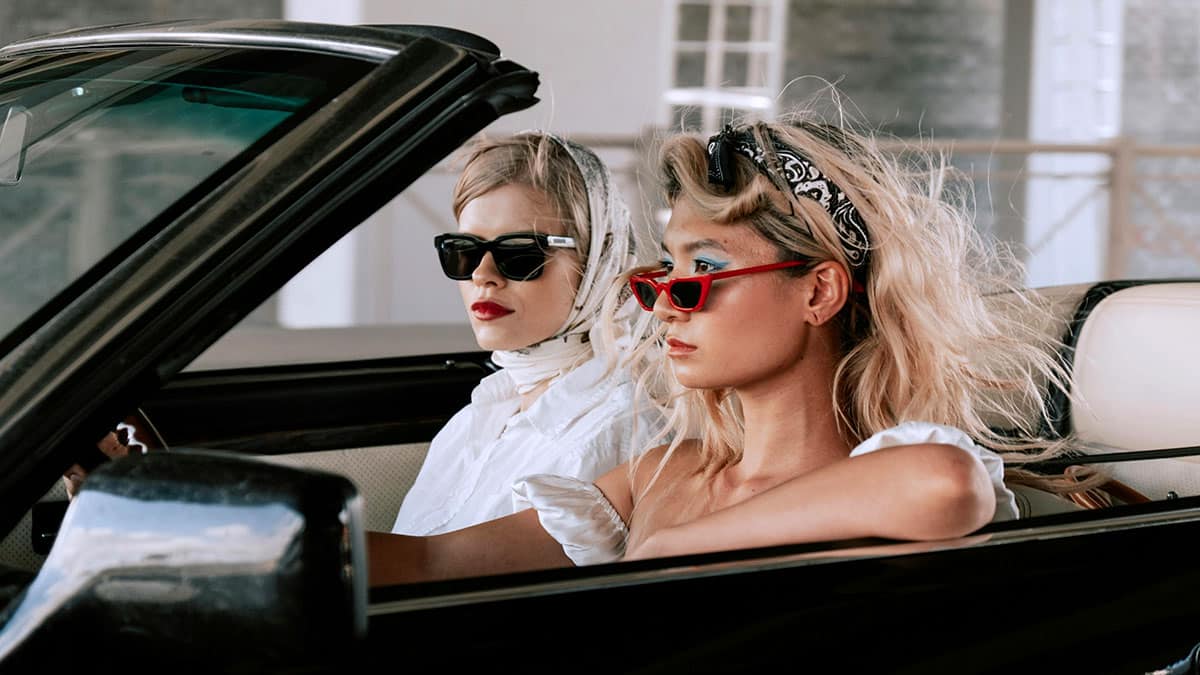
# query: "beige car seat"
1137, 383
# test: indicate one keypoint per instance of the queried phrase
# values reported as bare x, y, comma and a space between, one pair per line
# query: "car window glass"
378, 292
110, 141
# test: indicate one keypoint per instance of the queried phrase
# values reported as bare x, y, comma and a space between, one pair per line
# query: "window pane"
693, 22
732, 116
689, 69
756, 76
737, 23
735, 70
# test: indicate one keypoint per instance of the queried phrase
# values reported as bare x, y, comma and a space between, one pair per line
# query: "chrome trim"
1033, 533
160, 37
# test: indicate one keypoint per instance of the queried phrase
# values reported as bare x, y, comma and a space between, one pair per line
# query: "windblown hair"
535, 160
922, 342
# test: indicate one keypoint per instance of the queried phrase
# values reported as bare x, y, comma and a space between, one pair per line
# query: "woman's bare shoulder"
665, 462
628, 483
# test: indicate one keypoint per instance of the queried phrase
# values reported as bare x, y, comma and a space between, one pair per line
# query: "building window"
726, 61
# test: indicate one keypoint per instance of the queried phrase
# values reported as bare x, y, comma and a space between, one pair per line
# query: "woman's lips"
678, 347
487, 311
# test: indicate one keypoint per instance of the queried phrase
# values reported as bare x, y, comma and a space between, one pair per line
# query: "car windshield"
95, 147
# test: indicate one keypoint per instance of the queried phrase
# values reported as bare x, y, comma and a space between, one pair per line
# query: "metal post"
1014, 116
1120, 197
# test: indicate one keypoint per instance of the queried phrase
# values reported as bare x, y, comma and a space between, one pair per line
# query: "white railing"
1138, 217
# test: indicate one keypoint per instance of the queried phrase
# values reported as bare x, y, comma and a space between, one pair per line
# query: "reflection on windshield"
13, 123
110, 141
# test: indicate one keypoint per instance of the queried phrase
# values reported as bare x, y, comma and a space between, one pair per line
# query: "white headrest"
1137, 369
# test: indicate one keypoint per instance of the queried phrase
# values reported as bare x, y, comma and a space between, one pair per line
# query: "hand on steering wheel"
135, 434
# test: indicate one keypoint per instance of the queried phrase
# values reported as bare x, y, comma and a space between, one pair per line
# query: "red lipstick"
487, 311
678, 347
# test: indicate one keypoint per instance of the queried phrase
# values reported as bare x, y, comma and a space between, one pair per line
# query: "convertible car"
235, 542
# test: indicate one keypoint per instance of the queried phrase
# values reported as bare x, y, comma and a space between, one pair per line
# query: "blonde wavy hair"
534, 160
923, 340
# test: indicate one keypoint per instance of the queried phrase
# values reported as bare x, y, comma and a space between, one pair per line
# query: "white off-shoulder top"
578, 515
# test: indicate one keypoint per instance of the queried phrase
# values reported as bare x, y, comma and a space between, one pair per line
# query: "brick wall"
24, 18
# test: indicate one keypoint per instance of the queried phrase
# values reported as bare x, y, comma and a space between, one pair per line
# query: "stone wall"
25, 18
910, 67
1161, 71
1159, 103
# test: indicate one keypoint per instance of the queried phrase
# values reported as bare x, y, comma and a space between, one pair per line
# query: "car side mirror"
208, 559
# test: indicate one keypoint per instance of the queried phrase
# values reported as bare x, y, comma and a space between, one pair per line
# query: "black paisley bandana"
801, 175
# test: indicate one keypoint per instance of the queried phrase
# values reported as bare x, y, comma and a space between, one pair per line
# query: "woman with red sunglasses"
543, 235
831, 370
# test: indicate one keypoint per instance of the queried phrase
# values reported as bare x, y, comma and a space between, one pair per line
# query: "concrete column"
1075, 97
346, 12
323, 294
1014, 114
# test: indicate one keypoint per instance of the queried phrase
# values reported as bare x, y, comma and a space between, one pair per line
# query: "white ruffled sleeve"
911, 433
577, 514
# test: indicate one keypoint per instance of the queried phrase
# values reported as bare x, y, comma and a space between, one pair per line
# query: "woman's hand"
512, 543
112, 448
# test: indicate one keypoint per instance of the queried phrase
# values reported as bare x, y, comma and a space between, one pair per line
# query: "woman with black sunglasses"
830, 366
543, 235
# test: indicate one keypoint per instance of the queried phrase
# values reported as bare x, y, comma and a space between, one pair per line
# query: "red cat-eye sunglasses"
687, 294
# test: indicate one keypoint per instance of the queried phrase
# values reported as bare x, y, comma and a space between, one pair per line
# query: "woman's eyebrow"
693, 246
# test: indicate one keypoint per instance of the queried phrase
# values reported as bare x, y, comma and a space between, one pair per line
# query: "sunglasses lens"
519, 258
524, 266
459, 257
646, 293
686, 294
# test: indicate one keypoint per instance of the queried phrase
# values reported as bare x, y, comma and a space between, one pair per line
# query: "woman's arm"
924, 492
514, 543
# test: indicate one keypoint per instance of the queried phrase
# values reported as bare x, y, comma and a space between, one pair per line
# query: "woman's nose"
664, 310
486, 273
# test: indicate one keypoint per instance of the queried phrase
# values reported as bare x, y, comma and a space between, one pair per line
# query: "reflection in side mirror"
12, 144
200, 559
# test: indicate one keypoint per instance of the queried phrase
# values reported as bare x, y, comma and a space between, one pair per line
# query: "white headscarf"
612, 249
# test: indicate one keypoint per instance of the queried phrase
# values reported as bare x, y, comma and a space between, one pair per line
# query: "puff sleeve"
910, 433
577, 514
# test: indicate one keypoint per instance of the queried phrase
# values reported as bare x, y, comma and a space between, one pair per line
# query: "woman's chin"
491, 344
493, 340
692, 377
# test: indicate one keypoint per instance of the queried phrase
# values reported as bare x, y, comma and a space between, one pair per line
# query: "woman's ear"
830, 289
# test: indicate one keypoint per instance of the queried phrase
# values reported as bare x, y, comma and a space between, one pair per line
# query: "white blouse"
582, 519
583, 425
